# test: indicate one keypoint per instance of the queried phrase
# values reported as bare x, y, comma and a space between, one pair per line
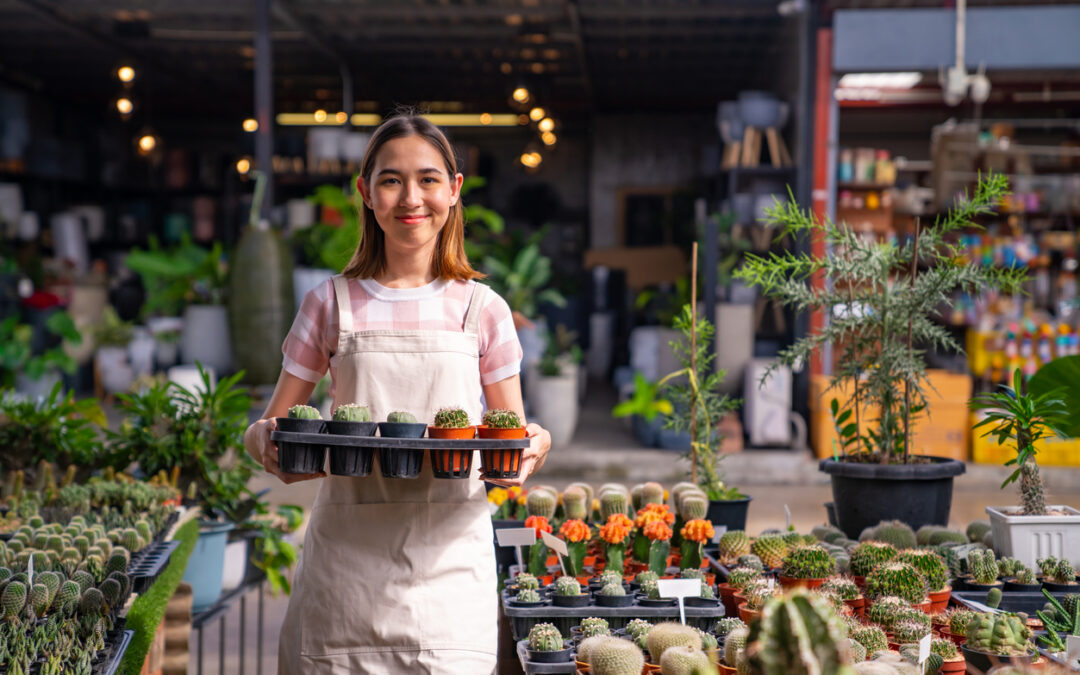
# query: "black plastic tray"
402, 443
113, 664
145, 570
1011, 601
533, 668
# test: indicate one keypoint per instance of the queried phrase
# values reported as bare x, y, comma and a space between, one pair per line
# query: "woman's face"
410, 192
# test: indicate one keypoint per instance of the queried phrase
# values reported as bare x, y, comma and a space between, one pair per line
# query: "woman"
399, 575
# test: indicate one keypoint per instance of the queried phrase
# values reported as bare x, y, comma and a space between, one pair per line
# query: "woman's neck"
407, 269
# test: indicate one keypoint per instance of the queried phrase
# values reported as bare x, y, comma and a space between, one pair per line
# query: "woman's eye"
388, 181
429, 179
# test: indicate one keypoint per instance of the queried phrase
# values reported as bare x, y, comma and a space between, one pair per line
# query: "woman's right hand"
264, 451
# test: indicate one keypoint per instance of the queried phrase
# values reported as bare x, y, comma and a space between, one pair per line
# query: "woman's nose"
410, 195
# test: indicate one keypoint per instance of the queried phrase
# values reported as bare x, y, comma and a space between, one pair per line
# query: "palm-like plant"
522, 281
1024, 419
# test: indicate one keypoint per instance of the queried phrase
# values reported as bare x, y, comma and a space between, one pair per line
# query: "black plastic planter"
701, 602
1012, 587
866, 494
731, 514
1060, 588
350, 460
984, 662
645, 601
401, 462
613, 600
582, 600
548, 657
300, 457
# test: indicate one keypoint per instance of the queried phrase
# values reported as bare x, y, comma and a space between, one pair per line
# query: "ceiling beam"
579, 48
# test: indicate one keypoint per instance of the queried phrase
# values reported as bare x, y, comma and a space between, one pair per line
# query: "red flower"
657, 530
575, 530
538, 523
697, 530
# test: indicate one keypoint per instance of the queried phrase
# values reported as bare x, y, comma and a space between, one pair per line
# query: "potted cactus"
984, 570
951, 658
401, 462
934, 571
798, 633
898, 579
994, 639
501, 424
451, 424
613, 594
568, 593
301, 457
528, 597
576, 534
649, 595
730, 590
546, 645
694, 535
615, 534
732, 545
1059, 576
351, 419
868, 555
806, 567
848, 593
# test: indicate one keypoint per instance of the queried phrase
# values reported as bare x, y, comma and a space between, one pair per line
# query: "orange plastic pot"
501, 462
748, 615
939, 600
958, 665
858, 606
924, 607
726, 670
452, 463
792, 582
727, 596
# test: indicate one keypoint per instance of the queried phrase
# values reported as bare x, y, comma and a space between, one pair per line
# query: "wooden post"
693, 362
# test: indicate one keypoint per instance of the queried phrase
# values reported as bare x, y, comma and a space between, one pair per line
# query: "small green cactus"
545, 637
734, 543
635, 628
574, 503
739, 577
526, 580
67, 597
1002, 634
883, 610
929, 564
650, 589
92, 602
567, 586
727, 624
611, 503
612, 656
944, 648
983, 566
708, 640
841, 587
652, 493
993, 598
500, 418
401, 417
1024, 575
808, 562
84, 579
872, 638
896, 533
771, 549
646, 575
693, 505
613, 589
352, 412
907, 632
39, 599
304, 412
668, 634
528, 595
735, 644
451, 418
977, 529
691, 573
541, 503
959, 620
593, 626
752, 561
110, 591
868, 555
685, 660
13, 599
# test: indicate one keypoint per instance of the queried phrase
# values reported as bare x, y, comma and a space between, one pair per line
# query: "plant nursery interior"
539, 336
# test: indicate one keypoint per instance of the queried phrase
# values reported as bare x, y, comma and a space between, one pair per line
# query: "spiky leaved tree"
881, 298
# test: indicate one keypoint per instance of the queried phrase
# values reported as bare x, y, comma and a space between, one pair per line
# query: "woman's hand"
532, 458
264, 451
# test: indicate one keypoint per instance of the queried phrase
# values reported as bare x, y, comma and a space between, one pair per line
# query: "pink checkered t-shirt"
310, 345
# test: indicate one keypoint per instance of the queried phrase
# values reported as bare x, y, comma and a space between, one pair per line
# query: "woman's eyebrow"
427, 170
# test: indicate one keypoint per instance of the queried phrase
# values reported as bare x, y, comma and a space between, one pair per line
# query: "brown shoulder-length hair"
449, 260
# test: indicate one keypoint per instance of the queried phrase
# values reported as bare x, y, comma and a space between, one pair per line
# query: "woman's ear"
361, 188
455, 188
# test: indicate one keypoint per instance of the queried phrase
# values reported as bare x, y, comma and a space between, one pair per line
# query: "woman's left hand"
531, 459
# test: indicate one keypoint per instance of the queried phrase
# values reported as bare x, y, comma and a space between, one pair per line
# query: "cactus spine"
808, 562
500, 418
613, 656
612, 502
734, 543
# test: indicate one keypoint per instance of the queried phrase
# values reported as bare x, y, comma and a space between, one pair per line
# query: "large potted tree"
882, 298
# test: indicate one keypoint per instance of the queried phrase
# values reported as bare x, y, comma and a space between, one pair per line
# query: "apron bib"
398, 575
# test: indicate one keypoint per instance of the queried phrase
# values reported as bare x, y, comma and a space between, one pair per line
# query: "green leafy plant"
332, 245
1061, 377
644, 401
890, 293
56, 429
183, 275
523, 280
699, 404
1023, 419
112, 331
273, 554
561, 351
16, 355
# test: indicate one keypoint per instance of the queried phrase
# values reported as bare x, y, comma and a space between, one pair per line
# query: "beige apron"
397, 575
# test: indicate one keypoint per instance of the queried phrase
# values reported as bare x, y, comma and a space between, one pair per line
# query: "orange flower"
697, 530
539, 523
652, 512
621, 519
575, 530
615, 530
657, 530
514, 491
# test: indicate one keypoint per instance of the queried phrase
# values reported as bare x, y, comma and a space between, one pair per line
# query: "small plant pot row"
303, 446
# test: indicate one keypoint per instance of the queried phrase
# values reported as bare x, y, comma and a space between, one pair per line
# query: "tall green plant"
17, 356
698, 403
882, 298
180, 276
57, 429
332, 246
1023, 419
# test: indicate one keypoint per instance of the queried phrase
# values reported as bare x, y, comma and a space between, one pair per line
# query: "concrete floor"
604, 449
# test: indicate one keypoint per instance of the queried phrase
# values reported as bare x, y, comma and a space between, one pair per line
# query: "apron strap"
344, 303
480, 297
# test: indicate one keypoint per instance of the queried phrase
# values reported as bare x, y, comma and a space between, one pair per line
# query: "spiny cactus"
635, 496
808, 562
929, 564
500, 418
872, 638
39, 599
1060, 571
798, 634
1007, 566
883, 610
693, 505
131, 540
593, 626
110, 590
92, 602
638, 627
685, 661
13, 599
616, 657
944, 648
612, 589
67, 597
868, 555
735, 644
585, 647
646, 575
993, 598
574, 503
771, 549
352, 412
1002, 634
527, 595
526, 580
896, 579
668, 634
540, 503
750, 560
977, 529
304, 412
856, 651
841, 587
650, 589
611, 503
734, 543
910, 631
1031, 489
118, 561
959, 620
567, 586
983, 566
401, 417
1024, 575
84, 579
545, 637
652, 493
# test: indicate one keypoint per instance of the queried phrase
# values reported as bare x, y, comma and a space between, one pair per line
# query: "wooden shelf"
862, 185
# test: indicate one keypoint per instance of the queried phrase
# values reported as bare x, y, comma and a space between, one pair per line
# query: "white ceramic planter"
556, 406
205, 338
1028, 538
232, 574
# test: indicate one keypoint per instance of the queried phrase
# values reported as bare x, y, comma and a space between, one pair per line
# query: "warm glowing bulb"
124, 106
147, 143
546, 124
521, 94
485, 118
537, 114
531, 159
548, 138
341, 117
126, 73
250, 125
320, 115
243, 165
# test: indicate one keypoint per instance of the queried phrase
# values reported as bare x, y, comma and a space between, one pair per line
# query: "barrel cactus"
652, 493
949, 537
930, 565
527, 595
545, 637
500, 418
735, 644
750, 560
304, 412
685, 660
771, 549
868, 555
734, 543
808, 562
540, 503
668, 634
798, 633
567, 586
882, 610
896, 579
612, 590
526, 580
907, 632
993, 598
401, 417
354, 412
638, 627
612, 502
693, 505
574, 502
727, 624
613, 656
593, 626
977, 529
894, 532
873, 638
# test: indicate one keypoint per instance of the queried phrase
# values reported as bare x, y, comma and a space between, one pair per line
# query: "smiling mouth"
411, 219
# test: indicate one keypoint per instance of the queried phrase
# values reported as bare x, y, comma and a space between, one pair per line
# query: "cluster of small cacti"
894, 532
897, 579
545, 637
983, 566
808, 562
930, 566
1057, 570
500, 418
868, 555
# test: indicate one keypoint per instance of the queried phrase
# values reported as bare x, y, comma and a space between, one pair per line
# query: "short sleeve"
500, 351
307, 347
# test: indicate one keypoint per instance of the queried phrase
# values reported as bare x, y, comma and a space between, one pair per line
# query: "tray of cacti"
451, 424
296, 452
501, 462
352, 420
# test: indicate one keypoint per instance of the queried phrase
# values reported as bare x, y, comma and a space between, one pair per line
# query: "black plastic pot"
351, 460
972, 585
645, 601
300, 457
1060, 588
984, 662
582, 600
700, 602
866, 494
548, 657
519, 603
401, 462
729, 513
1012, 587
613, 600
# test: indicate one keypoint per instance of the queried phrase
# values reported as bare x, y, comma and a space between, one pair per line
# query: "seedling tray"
534, 668
110, 666
145, 570
399, 443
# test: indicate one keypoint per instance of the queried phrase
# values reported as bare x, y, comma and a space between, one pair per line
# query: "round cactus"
545, 637
593, 626
941, 537
735, 644
612, 589
668, 634
131, 540
652, 493
907, 632
929, 564
808, 562
750, 560
646, 575
771, 549
526, 580
540, 503
584, 648
304, 412
611, 503
354, 412
841, 587
574, 503
897, 579
946, 649
650, 589
684, 660
528, 595
567, 586
401, 417
616, 657
894, 532
976, 530
870, 637
500, 418
727, 624
635, 628
868, 555
882, 610
734, 543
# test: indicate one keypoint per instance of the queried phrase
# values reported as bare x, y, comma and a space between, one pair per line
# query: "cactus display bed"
398, 457
147, 564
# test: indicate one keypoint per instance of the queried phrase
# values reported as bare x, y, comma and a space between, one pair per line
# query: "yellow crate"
1051, 451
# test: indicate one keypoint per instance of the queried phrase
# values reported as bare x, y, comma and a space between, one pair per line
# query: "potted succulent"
576, 534
694, 535
933, 569
568, 593
528, 597
806, 567
952, 660
613, 594
1024, 420
451, 424
732, 545
848, 593
401, 462
900, 580
1059, 576
649, 595
993, 639
643, 543
889, 293
984, 570
351, 419
1023, 580
868, 555
546, 645
737, 579
757, 592
615, 534
296, 457
538, 552
501, 424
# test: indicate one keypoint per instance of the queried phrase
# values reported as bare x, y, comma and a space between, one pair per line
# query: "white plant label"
679, 589
30, 572
718, 531
517, 537
924, 648
772, 583
557, 545
787, 517
1072, 649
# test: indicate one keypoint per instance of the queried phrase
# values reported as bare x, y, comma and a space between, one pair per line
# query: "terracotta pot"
957, 639
860, 582
939, 600
727, 596
726, 670
791, 582
924, 607
858, 606
650, 668
582, 667
739, 599
748, 615
958, 665
452, 463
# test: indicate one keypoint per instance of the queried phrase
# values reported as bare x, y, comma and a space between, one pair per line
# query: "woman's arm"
290, 391
507, 394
